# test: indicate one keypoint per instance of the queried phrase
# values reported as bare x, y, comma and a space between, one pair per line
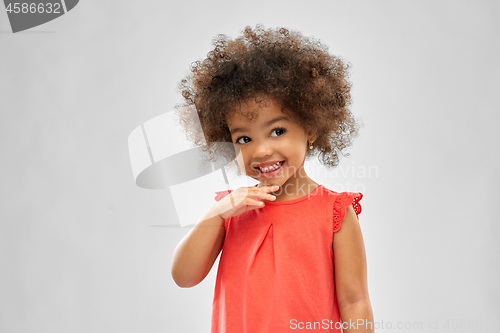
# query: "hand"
243, 199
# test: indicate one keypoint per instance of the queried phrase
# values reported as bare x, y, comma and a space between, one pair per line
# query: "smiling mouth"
270, 170
271, 167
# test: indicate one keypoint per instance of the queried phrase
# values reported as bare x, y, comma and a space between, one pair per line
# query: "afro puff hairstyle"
312, 85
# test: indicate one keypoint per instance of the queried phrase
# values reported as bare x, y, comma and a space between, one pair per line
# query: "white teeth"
271, 168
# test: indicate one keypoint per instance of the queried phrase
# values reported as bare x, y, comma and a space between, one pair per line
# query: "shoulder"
221, 194
346, 207
350, 217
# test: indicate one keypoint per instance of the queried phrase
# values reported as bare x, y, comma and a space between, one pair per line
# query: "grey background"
83, 249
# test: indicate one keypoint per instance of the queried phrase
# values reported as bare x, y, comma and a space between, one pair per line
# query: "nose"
263, 148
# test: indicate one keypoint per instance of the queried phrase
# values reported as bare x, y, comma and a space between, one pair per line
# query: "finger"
265, 188
255, 202
265, 196
270, 188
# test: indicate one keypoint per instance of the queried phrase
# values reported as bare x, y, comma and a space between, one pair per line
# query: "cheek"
296, 154
296, 148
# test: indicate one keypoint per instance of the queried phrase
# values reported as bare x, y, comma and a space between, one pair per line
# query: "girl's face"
272, 137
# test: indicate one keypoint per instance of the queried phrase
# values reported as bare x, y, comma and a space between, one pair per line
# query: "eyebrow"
269, 123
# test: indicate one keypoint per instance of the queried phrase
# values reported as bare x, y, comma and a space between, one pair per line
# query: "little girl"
293, 256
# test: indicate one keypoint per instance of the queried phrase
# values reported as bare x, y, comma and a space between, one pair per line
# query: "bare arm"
197, 251
351, 277
195, 255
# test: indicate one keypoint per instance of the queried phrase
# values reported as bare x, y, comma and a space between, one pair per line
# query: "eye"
281, 130
241, 137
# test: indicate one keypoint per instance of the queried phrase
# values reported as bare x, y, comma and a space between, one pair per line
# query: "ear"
311, 137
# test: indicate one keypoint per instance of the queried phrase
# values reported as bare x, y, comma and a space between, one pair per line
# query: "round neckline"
292, 201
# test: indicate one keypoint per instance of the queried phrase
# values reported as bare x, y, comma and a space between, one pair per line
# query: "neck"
297, 186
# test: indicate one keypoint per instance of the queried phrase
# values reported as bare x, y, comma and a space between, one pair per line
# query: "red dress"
276, 271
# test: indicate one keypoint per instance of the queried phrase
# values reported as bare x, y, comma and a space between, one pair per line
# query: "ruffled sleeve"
221, 194
340, 205
218, 196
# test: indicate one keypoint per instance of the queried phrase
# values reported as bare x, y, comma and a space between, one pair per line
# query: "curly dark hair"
312, 85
